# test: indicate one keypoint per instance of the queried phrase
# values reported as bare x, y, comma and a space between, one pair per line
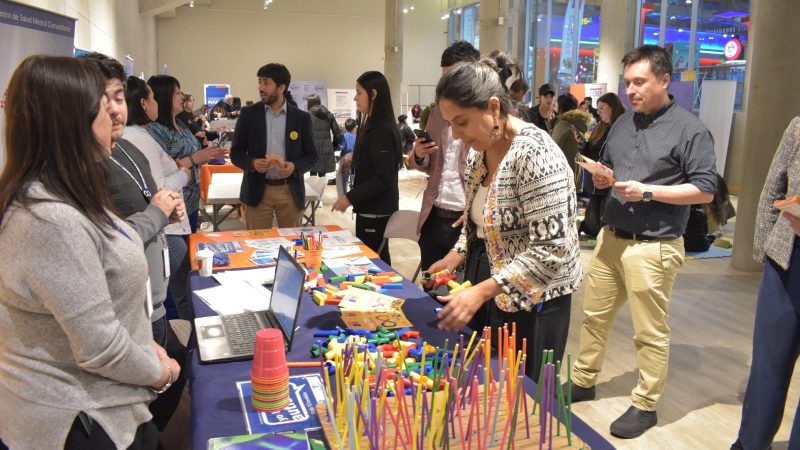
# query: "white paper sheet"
235, 298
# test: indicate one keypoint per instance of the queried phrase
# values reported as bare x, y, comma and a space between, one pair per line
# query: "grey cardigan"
74, 335
774, 236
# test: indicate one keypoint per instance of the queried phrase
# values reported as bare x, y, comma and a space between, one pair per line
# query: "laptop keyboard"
241, 331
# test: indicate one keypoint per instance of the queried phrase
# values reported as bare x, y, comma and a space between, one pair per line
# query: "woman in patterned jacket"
519, 243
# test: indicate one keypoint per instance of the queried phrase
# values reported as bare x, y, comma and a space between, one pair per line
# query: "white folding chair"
403, 225
313, 199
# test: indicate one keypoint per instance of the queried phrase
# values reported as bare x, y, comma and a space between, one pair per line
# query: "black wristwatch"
647, 195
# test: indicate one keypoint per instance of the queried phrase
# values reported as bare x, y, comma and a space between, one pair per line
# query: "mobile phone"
422, 134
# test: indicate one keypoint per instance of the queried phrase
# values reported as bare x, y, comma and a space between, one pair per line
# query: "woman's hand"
461, 306
167, 363
205, 155
451, 262
341, 204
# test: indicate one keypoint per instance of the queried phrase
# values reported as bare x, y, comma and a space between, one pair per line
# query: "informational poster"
593, 90
302, 89
717, 98
214, 93
26, 31
342, 104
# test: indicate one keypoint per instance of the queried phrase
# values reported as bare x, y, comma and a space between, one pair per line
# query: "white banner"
302, 89
26, 31
342, 104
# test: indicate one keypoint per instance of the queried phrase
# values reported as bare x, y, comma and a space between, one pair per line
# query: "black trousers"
370, 231
544, 329
165, 404
436, 238
86, 434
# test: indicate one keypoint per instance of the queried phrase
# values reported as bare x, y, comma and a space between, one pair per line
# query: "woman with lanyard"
521, 251
375, 160
77, 353
178, 141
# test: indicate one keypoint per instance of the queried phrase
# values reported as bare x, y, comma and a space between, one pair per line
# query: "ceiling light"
405, 10
446, 16
411, 7
680, 30
458, 11
191, 4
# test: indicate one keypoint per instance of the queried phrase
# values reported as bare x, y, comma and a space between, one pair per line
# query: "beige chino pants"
278, 202
643, 273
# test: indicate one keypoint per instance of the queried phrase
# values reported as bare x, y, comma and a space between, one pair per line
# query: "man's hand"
602, 181
422, 150
260, 165
794, 222
180, 209
630, 191
341, 204
287, 169
166, 201
459, 222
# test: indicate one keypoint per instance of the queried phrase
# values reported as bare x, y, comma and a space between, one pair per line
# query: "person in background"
195, 124
443, 160
521, 253
276, 127
78, 365
543, 113
519, 89
587, 106
416, 113
218, 112
327, 136
147, 209
375, 161
776, 333
347, 145
407, 137
178, 141
142, 112
569, 128
706, 220
609, 108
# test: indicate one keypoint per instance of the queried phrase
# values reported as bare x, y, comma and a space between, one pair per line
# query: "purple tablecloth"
215, 406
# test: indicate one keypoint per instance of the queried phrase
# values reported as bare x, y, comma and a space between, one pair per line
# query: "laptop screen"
286, 292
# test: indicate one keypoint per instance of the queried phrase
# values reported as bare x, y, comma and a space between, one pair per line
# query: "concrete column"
393, 51
772, 99
493, 35
617, 31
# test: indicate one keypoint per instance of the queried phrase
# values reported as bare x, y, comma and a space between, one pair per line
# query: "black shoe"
331, 182
633, 423
579, 394
737, 445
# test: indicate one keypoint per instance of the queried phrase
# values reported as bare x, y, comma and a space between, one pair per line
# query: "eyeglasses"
601, 108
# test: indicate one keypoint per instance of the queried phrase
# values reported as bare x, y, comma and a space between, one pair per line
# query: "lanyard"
119, 228
143, 186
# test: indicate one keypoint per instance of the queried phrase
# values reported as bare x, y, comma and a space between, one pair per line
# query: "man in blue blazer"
274, 145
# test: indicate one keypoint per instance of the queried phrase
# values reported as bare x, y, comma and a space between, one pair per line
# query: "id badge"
165, 254
149, 304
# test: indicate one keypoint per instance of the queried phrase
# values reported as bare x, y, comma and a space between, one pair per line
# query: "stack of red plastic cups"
270, 374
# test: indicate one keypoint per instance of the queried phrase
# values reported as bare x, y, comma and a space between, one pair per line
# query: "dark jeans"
166, 403
193, 219
436, 238
179, 273
544, 329
370, 231
776, 345
95, 438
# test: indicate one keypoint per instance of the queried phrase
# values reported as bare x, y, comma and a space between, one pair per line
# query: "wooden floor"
712, 322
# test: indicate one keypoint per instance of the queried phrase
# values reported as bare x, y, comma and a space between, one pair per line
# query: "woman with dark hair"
142, 112
521, 253
416, 112
572, 123
78, 365
178, 141
609, 108
196, 124
375, 161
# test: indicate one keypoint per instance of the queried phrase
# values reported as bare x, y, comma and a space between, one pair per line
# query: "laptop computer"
232, 337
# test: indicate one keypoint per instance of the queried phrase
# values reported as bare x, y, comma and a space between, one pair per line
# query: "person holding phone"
437, 153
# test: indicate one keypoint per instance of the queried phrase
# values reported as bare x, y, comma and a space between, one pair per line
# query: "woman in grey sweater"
78, 365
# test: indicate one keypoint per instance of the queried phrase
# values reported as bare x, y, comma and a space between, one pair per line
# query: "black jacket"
375, 163
249, 142
323, 124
